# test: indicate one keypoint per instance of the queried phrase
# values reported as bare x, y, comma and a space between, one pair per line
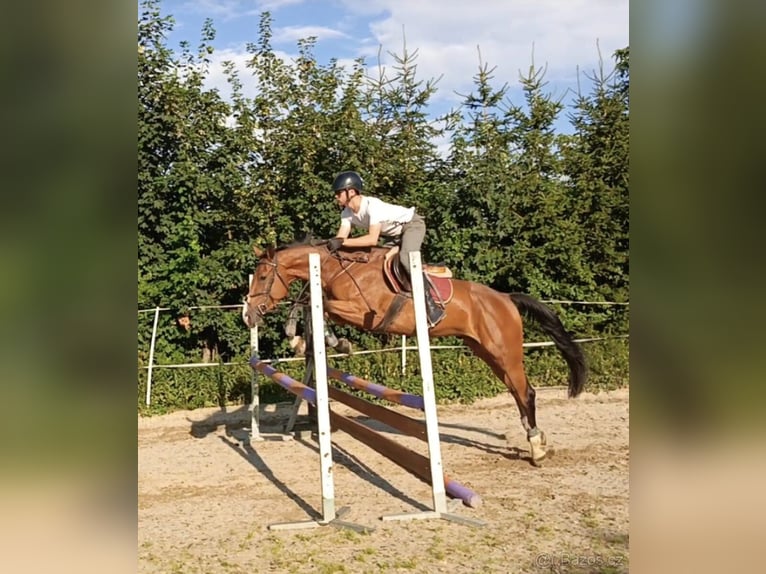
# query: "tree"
188, 178
478, 217
511, 203
402, 134
596, 163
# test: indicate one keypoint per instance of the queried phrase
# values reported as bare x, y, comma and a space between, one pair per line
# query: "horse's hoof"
343, 346
300, 349
538, 462
298, 345
537, 448
545, 457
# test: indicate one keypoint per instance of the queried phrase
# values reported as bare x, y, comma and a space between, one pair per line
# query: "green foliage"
459, 377
215, 386
511, 203
596, 165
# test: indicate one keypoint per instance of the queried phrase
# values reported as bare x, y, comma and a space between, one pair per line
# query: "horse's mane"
307, 240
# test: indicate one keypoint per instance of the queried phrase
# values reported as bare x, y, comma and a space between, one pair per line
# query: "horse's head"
271, 281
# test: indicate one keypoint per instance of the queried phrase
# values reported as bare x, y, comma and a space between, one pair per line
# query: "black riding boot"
433, 311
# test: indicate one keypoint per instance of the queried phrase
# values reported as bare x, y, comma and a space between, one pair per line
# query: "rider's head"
347, 181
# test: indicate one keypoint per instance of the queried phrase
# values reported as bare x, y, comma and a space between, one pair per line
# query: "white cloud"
274, 5
239, 57
218, 10
295, 33
216, 77
226, 10
562, 34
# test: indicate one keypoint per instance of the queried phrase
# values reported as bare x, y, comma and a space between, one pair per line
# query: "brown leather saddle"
439, 277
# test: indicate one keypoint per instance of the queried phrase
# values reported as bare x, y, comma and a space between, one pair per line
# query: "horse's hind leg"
510, 370
528, 412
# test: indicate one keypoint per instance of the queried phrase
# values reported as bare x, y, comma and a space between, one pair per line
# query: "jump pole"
415, 463
438, 488
379, 391
407, 425
254, 408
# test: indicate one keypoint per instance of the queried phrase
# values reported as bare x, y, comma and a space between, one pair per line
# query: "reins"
345, 269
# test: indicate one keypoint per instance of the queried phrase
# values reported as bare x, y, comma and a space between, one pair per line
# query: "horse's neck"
299, 262
331, 267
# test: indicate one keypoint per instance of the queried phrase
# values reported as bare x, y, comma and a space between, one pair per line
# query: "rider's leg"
413, 234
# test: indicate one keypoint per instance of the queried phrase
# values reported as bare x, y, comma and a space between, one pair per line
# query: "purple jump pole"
398, 397
460, 492
407, 459
296, 388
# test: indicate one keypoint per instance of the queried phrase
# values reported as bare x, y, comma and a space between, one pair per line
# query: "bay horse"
488, 321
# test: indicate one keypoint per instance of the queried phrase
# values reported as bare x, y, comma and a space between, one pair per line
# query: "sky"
451, 38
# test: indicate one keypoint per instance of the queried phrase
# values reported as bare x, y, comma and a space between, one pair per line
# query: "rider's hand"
334, 244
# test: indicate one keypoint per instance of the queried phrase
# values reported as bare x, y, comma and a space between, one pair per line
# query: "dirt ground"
207, 495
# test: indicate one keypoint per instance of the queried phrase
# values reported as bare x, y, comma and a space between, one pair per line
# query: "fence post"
151, 357
255, 399
426, 373
404, 355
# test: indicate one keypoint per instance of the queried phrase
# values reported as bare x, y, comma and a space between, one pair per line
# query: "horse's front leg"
341, 345
339, 312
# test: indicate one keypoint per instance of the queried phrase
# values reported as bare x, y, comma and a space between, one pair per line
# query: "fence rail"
403, 348
239, 306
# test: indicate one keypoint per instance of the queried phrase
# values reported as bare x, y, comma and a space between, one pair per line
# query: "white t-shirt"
373, 210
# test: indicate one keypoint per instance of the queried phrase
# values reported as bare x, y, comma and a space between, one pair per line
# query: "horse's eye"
263, 277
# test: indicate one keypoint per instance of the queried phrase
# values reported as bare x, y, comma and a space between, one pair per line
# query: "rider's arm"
344, 229
370, 239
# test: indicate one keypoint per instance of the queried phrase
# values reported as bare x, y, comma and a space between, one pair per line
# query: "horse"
356, 293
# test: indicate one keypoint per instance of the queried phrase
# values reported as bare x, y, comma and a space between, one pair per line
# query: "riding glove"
334, 244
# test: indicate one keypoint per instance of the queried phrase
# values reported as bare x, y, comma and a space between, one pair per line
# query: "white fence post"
322, 394
255, 400
151, 357
404, 355
426, 373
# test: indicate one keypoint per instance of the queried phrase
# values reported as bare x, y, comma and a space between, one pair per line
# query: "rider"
379, 218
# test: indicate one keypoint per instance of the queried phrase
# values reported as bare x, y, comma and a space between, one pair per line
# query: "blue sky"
561, 35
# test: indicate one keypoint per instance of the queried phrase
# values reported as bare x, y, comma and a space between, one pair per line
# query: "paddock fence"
403, 348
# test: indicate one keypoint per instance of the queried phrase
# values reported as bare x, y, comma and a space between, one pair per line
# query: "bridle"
262, 308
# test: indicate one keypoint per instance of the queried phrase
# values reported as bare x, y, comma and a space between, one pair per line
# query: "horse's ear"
258, 251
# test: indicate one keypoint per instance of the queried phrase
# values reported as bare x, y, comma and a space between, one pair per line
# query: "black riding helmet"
347, 180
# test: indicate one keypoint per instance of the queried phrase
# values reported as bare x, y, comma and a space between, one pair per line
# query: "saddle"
439, 278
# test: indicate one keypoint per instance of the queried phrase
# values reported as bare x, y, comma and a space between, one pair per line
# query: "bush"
459, 376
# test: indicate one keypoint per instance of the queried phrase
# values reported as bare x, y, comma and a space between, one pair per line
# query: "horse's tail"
552, 325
